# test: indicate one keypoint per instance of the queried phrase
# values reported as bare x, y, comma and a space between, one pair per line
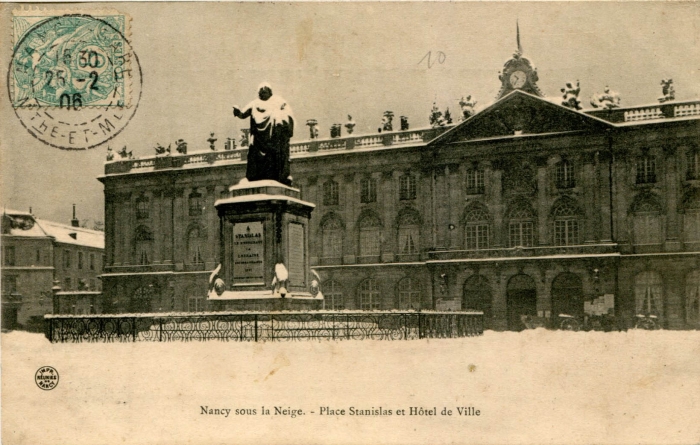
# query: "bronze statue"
271, 127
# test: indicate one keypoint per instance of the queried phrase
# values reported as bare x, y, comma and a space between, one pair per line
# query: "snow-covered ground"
532, 387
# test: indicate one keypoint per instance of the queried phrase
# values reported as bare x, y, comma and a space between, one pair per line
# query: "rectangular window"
9, 255
693, 165
195, 304
67, 283
521, 234
142, 208
565, 175
92, 261
38, 257
66, 259
691, 225
9, 284
330, 193
407, 187
195, 204
368, 190
80, 260
369, 242
475, 182
646, 170
566, 232
477, 236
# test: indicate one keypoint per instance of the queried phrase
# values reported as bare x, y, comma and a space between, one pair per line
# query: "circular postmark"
74, 81
46, 378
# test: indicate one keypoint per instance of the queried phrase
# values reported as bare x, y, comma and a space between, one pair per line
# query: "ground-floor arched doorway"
476, 296
567, 295
521, 299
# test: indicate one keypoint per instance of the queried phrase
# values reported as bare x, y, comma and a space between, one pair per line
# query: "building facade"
48, 267
527, 207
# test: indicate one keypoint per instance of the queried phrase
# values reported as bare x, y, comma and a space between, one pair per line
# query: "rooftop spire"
517, 38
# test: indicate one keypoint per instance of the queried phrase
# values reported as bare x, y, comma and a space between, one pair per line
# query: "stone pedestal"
264, 249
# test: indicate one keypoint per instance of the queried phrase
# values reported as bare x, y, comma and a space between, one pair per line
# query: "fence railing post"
420, 325
160, 330
256, 327
241, 325
272, 327
347, 327
133, 329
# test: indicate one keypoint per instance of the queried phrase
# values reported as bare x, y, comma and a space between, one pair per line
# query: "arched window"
409, 233
647, 221
475, 181
195, 203
564, 174
330, 193
521, 226
141, 300
407, 187
332, 238
368, 190
195, 246
476, 229
143, 207
409, 293
476, 295
369, 295
646, 169
648, 293
567, 295
692, 299
143, 245
370, 236
333, 295
566, 224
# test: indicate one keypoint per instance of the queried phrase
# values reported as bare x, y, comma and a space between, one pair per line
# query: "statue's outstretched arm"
242, 114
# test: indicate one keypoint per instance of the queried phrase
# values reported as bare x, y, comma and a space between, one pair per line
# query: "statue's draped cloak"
271, 127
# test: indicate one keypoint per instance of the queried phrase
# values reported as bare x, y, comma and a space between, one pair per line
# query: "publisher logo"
46, 378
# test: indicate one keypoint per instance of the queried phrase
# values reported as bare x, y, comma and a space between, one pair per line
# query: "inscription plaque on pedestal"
296, 266
248, 253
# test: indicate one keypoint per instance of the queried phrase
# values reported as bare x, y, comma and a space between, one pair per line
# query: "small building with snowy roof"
48, 267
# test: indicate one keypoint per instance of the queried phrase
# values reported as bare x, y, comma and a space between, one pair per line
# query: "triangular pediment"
520, 113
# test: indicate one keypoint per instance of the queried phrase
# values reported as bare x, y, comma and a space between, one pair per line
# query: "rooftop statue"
669, 93
607, 99
570, 97
271, 127
467, 105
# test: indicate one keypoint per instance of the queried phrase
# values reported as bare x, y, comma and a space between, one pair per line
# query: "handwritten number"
440, 58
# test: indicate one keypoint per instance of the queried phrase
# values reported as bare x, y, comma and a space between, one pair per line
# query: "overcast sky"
330, 60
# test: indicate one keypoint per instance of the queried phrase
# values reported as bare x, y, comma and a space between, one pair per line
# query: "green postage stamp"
71, 60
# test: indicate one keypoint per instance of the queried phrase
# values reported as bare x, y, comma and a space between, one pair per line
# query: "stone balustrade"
297, 149
648, 112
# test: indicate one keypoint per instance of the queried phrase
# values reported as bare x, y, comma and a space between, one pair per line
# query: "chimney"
74, 222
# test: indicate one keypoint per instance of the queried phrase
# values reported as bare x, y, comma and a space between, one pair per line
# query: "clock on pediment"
519, 74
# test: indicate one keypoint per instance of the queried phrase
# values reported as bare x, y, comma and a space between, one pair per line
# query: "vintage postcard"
350, 223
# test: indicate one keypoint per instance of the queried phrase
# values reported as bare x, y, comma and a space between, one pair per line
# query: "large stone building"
48, 267
526, 207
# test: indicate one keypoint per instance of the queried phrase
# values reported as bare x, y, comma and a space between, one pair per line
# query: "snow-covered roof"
23, 224
78, 236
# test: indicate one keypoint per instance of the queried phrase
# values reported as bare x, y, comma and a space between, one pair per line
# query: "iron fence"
262, 326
